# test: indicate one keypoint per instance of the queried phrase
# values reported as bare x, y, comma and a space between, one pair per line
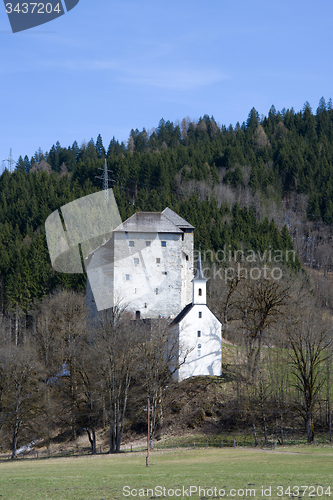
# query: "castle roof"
146, 222
176, 219
150, 222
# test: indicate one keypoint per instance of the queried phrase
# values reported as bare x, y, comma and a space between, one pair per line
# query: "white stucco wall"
209, 360
100, 290
187, 271
140, 281
145, 285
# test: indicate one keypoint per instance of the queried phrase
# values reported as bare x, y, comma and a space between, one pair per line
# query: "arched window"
200, 292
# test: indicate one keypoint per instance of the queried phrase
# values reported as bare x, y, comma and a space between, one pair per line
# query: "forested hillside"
233, 184
265, 186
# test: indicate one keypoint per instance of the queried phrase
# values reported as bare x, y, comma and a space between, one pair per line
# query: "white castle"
147, 264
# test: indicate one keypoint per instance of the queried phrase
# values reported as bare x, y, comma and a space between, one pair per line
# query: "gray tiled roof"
176, 219
153, 222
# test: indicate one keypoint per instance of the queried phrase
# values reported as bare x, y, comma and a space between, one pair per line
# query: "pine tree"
252, 120
99, 147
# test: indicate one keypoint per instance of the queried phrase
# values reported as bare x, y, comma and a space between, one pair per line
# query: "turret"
199, 285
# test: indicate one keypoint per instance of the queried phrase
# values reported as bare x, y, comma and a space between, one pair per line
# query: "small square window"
199, 333
163, 243
200, 314
127, 277
147, 243
136, 262
131, 243
158, 260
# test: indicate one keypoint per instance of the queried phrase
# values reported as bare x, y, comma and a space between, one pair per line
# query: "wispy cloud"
175, 79
149, 75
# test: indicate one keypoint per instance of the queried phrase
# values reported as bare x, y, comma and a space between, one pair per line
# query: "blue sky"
109, 66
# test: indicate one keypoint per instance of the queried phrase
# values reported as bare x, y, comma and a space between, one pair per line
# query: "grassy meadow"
104, 477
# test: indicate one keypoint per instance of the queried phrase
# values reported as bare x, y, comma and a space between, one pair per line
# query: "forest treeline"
285, 151
223, 180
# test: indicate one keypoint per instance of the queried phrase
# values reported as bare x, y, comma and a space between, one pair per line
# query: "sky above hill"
109, 66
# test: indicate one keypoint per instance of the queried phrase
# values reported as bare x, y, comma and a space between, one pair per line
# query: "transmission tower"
106, 180
10, 161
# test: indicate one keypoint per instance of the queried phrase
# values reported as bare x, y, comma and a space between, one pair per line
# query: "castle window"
145, 306
199, 350
163, 243
137, 314
136, 262
158, 260
200, 292
156, 291
147, 243
200, 314
199, 333
127, 277
131, 243
164, 272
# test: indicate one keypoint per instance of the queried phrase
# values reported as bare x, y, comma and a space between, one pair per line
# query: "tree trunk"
255, 433
16, 325
15, 434
92, 439
265, 427
309, 426
14, 445
121, 423
113, 430
329, 416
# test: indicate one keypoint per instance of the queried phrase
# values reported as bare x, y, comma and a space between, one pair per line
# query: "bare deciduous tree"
117, 342
21, 389
308, 339
161, 356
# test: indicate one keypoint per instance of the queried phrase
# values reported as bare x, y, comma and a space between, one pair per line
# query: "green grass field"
104, 477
